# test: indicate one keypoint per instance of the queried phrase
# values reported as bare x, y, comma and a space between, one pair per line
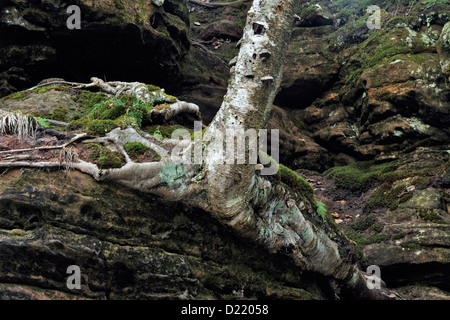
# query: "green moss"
296, 182
160, 99
169, 98
398, 235
108, 109
354, 76
93, 127
86, 100
119, 4
428, 214
321, 209
100, 127
23, 94
337, 40
387, 197
104, 157
359, 175
412, 245
43, 122
366, 230
59, 114
427, 4
164, 131
383, 53
419, 58
344, 14
15, 96
136, 149
172, 174
50, 88
381, 46
306, 13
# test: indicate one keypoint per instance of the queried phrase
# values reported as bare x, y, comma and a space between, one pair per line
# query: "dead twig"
77, 137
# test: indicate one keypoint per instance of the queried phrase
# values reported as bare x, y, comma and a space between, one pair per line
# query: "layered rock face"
135, 41
128, 246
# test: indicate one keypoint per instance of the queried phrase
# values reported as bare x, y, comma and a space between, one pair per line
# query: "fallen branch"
57, 82
216, 4
57, 123
77, 137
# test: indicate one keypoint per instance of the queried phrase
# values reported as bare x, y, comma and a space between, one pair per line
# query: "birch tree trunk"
256, 207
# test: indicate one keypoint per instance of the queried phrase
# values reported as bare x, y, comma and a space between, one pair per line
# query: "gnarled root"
136, 89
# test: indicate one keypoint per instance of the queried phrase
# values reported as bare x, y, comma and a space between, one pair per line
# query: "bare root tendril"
68, 156
18, 124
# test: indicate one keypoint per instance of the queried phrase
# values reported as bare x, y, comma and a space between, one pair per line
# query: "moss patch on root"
297, 183
428, 214
137, 149
104, 157
164, 131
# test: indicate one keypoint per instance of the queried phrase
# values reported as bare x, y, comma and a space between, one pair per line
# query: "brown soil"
349, 205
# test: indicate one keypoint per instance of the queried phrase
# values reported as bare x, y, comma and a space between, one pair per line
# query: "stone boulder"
222, 29
393, 96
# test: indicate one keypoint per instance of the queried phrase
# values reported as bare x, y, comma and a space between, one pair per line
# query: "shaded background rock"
135, 41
